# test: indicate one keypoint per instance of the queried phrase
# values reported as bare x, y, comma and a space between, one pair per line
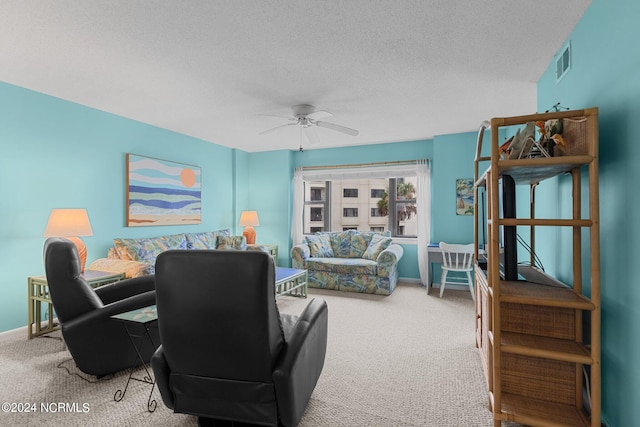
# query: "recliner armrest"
125, 288
301, 362
144, 299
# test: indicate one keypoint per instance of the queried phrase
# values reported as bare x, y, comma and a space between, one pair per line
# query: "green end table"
38, 293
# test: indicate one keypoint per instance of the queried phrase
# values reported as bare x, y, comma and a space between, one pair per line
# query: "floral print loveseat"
137, 257
355, 261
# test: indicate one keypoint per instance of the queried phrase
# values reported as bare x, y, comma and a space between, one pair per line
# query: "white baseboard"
414, 281
24, 329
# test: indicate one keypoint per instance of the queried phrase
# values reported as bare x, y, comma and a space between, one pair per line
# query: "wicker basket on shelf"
574, 131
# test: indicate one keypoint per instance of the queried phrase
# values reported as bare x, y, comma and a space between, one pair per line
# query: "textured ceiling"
395, 70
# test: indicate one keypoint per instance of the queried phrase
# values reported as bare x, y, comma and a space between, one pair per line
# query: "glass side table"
38, 293
148, 317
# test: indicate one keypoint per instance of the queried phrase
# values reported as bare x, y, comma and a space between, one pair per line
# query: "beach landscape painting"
160, 192
464, 196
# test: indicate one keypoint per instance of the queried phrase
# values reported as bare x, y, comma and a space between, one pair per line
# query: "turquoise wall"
454, 155
58, 154
61, 154
605, 72
270, 191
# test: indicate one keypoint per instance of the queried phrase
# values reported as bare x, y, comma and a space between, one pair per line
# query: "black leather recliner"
227, 353
98, 344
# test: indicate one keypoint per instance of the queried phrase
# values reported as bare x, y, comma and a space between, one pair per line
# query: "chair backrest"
71, 295
217, 313
456, 256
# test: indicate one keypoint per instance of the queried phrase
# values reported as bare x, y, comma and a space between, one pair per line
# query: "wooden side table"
38, 293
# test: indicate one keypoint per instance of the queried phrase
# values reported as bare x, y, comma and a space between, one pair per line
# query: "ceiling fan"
306, 116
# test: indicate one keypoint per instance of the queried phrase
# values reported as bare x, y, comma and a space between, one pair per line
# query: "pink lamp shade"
70, 223
247, 220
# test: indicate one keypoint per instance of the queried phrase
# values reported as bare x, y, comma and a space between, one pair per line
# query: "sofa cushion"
206, 240
359, 242
227, 243
222, 232
133, 249
174, 241
319, 246
378, 244
343, 265
147, 249
340, 241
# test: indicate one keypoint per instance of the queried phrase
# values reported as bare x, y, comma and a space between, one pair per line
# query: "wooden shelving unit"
529, 331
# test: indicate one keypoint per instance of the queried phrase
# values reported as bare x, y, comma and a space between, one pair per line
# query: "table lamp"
70, 223
247, 220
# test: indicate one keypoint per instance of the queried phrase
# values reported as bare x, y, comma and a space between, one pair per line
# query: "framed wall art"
464, 196
161, 192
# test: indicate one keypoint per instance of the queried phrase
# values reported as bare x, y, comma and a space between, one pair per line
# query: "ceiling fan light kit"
306, 116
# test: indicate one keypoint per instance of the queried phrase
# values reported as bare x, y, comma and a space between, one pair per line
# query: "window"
349, 228
317, 195
316, 206
395, 209
350, 192
376, 198
350, 212
316, 214
376, 193
400, 205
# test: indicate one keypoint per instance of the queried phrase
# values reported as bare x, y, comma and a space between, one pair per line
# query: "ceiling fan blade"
264, 132
312, 135
338, 128
316, 115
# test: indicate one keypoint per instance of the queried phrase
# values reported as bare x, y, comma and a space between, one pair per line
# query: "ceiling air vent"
563, 61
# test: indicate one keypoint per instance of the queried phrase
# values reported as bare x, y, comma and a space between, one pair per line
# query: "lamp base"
82, 251
250, 234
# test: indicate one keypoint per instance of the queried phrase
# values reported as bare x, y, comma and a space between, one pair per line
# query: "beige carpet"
408, 359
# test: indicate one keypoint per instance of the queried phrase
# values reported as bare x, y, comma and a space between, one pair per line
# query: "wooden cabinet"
539, 338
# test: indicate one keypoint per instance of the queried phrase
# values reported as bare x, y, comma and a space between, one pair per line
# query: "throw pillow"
378, 244
319, 246
134, 249
228, 243
206, 240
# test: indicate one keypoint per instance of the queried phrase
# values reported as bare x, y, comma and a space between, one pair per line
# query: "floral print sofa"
355, 261
137, 257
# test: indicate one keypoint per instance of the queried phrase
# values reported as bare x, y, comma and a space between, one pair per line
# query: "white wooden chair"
457, 264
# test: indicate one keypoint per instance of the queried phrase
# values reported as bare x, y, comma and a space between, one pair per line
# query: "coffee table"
291, 281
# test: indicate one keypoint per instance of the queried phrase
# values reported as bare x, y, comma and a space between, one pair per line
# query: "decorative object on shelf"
551, 135
249, 219
464, 196
557, 107
70, 223
523, 142
160, 192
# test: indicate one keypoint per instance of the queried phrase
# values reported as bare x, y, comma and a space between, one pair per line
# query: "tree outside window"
402, 200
